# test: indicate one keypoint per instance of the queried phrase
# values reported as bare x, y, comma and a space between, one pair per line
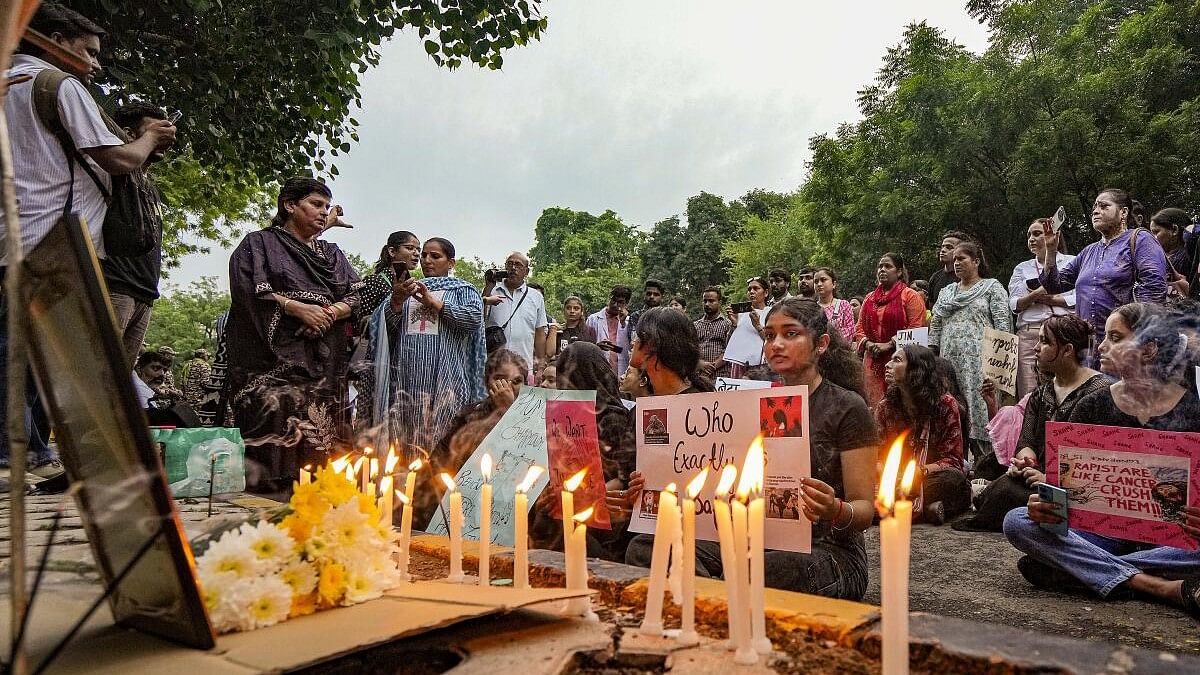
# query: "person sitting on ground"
917, 401
838, 498
1142, 346
548, 378
1062, 343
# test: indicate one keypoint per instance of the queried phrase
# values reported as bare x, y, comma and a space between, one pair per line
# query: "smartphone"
1058, 497
1060, 217
174, 117
741, 307
1033, 284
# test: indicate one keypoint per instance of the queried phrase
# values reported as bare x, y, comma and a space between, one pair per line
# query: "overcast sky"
630, 106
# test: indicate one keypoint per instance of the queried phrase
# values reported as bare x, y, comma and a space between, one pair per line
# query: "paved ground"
973, 575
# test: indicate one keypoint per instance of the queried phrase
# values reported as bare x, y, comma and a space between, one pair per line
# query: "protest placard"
678, 436
999, 356
518, 441
745, 344
1126, 483
731, 384
912, 336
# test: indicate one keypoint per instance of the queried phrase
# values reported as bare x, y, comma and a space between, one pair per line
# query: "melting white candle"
456, 525
485, 521
752, 474
894, 529
745, 653
306, 474
687, 629
410, 484
521, 528
577, 575
664, 534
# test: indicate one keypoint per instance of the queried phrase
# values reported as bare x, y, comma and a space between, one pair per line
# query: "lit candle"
745, 653
894, 528
339, 465
456, 525
664, 534
752, 473
570, 485
385, 502
687, 630
352, 470
365, 474
577, 575
521, 531
306, 474
485, 521
724, 520
410, 483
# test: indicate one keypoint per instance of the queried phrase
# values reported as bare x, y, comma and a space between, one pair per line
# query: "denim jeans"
832, 569
36, 422
1101, 563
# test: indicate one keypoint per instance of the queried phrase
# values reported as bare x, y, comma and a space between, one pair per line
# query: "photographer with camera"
516, 313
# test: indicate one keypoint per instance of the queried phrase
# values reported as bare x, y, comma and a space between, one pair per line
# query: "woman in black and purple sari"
294, 301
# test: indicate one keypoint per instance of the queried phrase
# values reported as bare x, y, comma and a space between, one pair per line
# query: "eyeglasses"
514, 265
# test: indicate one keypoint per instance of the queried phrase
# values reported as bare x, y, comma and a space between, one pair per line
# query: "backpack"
133, 223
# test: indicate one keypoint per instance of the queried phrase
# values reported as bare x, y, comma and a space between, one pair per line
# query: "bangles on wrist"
849, 521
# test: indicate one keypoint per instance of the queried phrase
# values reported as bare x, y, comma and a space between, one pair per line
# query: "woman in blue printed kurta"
962, 311
429, 350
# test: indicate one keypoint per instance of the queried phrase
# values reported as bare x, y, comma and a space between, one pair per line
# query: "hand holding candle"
894, 530
521, 531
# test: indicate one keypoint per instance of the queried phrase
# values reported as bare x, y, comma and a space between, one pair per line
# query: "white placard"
999, 358
730, 384
912, 336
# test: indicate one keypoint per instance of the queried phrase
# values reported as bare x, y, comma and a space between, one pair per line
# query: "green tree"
186, 319
577, 253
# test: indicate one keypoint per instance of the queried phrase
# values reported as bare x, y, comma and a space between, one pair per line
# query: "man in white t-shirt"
43, 174
521, 310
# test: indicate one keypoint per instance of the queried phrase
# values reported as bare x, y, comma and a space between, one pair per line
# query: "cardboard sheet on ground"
518, 441
677, 436
731, 384
1126, 483
912, 336
999, 356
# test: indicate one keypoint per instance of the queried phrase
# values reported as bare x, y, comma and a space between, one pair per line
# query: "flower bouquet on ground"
326, 548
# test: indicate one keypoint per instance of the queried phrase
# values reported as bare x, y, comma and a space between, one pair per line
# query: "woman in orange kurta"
887, 310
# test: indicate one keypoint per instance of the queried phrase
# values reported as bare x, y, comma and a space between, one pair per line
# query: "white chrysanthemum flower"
272, 546
362, 585
230, 555
345, 525
316, 548
300, 576
267, 600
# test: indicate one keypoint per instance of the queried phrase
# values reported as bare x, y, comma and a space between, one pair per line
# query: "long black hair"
924, 386
671, 336
394, 240
293, 190
838, 364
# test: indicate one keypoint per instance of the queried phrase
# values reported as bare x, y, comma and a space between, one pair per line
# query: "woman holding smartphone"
1144, 348
745, 348
1033, 304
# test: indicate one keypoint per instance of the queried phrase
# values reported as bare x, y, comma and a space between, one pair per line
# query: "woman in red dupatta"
887, 310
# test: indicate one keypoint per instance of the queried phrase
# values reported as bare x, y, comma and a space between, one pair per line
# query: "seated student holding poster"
844, 441
1143, 347
916, 400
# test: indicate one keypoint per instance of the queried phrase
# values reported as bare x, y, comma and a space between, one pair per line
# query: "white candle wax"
687, 629
521, 542
758, 614
577, 570
741, 548
675, 571
305, 476
568, 514
728, 565
485, 535
385, 502
456, 525
664, 534
405, 535
894, 548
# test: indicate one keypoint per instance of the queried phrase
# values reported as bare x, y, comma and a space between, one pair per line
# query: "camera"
492, 276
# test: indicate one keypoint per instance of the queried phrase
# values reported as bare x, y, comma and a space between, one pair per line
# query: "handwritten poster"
518, 441
1126, 483
573, 445
999, 355
912, 336
730, 384
677, 436
745, 344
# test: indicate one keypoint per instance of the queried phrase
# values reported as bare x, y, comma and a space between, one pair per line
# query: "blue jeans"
1101, 563
36, 422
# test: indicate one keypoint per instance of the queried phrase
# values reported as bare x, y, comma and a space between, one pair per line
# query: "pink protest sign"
572, 444
1126, 483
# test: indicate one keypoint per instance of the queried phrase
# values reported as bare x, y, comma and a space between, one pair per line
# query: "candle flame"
357, 463
670, 487
572, 484
583, 515
725, 484
752, 469
531, 477
339, 465
910, 472
448, 480
393, 459
697, 484
402, 497
308, 467
485, 466
415, 465
367, 450
887, 481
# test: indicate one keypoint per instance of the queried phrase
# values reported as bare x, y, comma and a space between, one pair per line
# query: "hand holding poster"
678, 436
999, 355
518, 441
912, 336
1126, 483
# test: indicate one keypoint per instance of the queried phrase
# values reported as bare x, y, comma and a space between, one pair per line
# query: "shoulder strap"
45, 105
514, 312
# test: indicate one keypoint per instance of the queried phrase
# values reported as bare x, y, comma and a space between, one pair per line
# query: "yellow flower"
368, 506
309, 503
303, 604
335, 487
332, 584
298, 528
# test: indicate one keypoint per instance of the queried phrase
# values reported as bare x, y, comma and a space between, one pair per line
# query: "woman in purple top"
1105, 274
